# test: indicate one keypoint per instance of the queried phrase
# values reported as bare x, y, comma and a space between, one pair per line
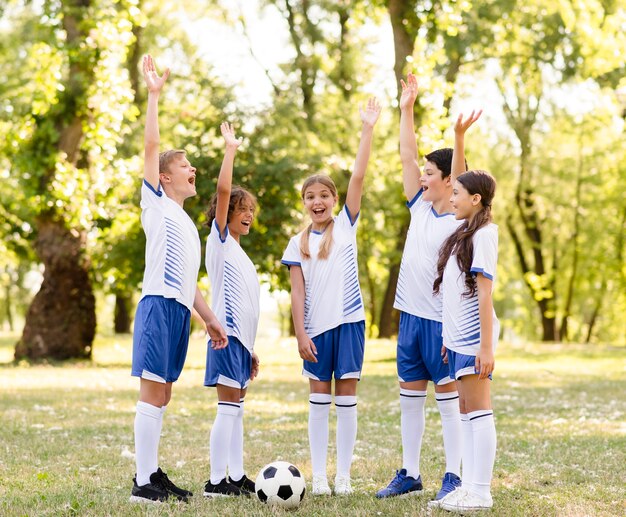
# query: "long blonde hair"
327, 239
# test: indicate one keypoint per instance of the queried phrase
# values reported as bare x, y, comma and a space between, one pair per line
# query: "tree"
59, 145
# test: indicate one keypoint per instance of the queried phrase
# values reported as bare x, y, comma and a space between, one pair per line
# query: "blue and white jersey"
235, 289
332, 289
427, 232
172, 248
461, 321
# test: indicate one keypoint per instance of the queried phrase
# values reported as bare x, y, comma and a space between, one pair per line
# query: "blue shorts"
339, 352
419, 351
160, 339
461, 364
228, 366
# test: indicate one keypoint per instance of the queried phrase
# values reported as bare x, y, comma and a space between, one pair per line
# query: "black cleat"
180, 493
222, 489
244, 484
148, 493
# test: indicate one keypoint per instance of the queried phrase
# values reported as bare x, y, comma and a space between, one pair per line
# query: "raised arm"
408, 142
458, 156
225, 179
151, 133
369, 116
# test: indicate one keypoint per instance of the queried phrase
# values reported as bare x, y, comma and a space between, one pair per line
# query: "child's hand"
485, 363
307, 349
153, 81
444, 354
229, 135
462, 126
409, 91
254, 370
371, 113
219, 339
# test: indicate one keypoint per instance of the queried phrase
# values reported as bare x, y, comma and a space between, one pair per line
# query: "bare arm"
408, 143
306, 347
355, 187
225, 179
485, 360
458, 155
219, 339
151, 132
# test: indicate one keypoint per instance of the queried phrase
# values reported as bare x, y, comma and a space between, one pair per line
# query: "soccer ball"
280, 483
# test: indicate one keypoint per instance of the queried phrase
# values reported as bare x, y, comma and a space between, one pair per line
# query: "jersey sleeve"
151, 197
292, 256
485, 252
215, 237
346, 220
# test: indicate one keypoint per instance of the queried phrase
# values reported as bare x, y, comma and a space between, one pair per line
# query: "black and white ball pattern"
280, 483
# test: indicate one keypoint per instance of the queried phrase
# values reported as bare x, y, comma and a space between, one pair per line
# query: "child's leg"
346, 407
235, 456
319, 409
447, 398
412, 424
222, 430
478, 405
148, 421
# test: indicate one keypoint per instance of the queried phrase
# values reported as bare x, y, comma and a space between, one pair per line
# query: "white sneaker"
466, 501
436, 503
342, 485
320, 486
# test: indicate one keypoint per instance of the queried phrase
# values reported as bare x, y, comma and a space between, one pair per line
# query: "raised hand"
461, 126
229, 135
150, 75
369, 116
409, 91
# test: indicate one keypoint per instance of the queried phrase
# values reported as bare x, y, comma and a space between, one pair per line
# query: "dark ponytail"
461, 241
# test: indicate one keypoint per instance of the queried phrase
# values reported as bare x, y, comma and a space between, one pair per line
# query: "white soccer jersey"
235, 290
427, 232
172, 248
461, 322
332, 289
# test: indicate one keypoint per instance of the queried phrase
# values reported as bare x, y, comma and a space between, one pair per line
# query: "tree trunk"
61, 320
122, 317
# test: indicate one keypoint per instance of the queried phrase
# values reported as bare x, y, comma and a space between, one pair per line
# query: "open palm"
150, 75
409, 91
369, 116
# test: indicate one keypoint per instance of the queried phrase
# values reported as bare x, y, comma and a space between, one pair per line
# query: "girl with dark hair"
327, 309
235, 299
466, 271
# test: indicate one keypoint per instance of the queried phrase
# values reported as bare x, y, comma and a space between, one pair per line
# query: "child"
419, 338
327, 310
465, 274
235, 296
169, 293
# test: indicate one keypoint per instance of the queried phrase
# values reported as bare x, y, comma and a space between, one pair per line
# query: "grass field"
66, 434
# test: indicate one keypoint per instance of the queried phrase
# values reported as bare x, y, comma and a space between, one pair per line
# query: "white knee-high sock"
467, 452
235, 456
221, 435
147, 430
412, 423
346, 408
448, 404
484, 431
319, 409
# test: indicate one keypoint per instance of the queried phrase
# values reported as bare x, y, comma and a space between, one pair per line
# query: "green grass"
66, 434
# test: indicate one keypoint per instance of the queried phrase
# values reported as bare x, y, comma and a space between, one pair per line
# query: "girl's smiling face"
241, 219
319, 202
465, 204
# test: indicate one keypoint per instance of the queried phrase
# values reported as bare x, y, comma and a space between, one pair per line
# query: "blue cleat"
401, 485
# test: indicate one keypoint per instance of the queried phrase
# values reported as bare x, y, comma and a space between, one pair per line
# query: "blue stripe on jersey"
158, 192
352, 301
174, 255
481, 270
232, 295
